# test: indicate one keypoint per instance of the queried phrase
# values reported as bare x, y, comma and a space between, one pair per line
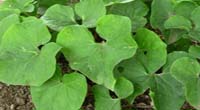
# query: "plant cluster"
123, 46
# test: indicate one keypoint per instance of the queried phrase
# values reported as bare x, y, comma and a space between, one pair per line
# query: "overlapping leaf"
21, 61
60, 93
103, 101
22, 5
187, 71
135, 10
59, 16
97, 60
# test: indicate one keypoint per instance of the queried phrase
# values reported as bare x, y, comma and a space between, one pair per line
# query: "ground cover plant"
114, 50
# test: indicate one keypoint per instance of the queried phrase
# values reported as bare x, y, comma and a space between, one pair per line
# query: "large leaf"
178, 22
59, 16
90, 11
97, 60
103, 101
161, 10
22, 5
151, 47
21, 61
187, 71
60, 93
6, 23
135, 10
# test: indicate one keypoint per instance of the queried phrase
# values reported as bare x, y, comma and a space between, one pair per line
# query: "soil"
15, 98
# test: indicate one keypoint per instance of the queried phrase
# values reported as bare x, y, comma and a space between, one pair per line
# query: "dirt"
15, 98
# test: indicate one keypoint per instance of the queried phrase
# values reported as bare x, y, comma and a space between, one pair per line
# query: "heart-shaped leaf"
21, 61
61, 93
97, 60
90, 11
187, 71
151, 47
135, 10
103, 101
59, 16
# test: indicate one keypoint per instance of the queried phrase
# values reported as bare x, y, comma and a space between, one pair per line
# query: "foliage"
122, 47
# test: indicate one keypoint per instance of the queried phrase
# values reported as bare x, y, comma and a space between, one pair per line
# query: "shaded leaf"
194, 51
103, 101
187, 70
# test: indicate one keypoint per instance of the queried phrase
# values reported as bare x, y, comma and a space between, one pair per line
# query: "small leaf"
21, 61
135, 10
158, 16
171, 57
195, 18
187, 71
90, 11
59, 16
184, 8
103, 101
178, 22
167, 90
151, 47
22, 5
97, 60
194, 51
123, 88
61, 93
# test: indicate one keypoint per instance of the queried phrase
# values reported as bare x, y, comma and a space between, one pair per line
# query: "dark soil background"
19, 98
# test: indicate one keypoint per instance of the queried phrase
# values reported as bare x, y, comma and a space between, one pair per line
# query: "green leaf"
184, 8
158, 16
123, 88
195, 18
110, 2
178, 22
6, 12
134, 71
21, 61
97, 60
187, 71
151, 47
60, 93
194, 51
171, 57
6, 23
135, 10
103, 101
90, 11
167, 90
22, 5
47, 3
59, 16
